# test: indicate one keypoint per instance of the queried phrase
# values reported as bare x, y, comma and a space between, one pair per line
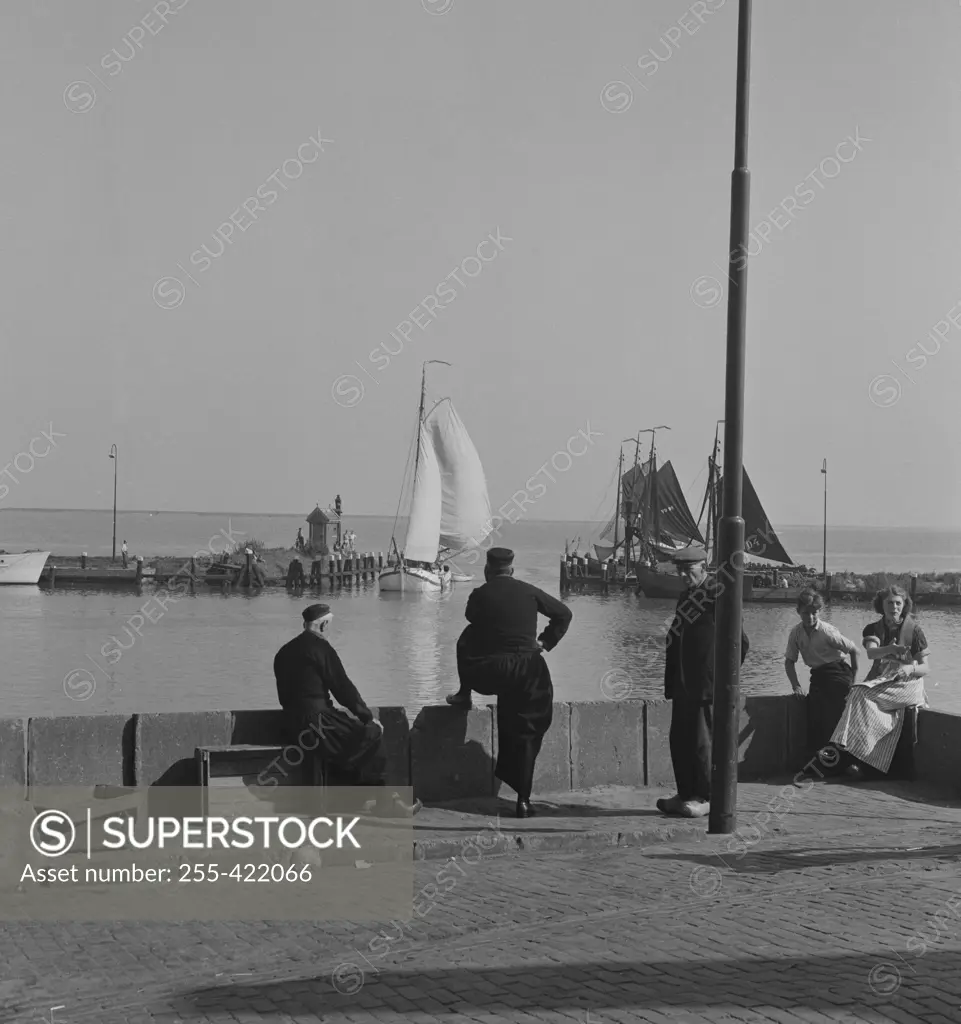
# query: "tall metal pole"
730, 533
824, 565
114, 456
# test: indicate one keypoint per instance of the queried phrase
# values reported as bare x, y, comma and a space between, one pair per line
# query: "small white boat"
410, 577
22, 567
449, 506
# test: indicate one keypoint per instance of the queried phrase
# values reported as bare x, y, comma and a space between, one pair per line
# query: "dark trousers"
345, 751
691, 723
123, 555
830, 686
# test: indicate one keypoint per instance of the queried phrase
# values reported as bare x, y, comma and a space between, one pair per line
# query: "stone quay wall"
444, 753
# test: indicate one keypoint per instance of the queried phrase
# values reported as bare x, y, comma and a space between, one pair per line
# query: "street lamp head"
113, 452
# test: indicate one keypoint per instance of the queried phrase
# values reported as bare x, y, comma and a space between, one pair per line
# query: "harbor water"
212, 650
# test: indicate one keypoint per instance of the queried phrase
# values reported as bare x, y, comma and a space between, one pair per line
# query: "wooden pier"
53, 575
594, 583
335, 572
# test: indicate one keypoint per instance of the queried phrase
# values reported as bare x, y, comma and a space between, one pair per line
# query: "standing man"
689, 685
309, 674
123, 553
500, 654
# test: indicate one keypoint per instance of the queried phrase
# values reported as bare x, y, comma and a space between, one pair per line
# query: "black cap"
500, 558
690, 554
316, 611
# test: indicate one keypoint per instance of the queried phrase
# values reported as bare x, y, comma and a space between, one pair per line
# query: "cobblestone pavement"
837, 926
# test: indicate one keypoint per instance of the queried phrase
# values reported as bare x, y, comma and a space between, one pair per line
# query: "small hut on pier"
318, 521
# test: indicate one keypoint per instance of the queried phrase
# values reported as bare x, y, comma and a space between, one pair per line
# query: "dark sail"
677, 525
760, 540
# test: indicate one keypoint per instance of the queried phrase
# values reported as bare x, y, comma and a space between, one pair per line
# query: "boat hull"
407, 578
460, 577
23, 567
659, 584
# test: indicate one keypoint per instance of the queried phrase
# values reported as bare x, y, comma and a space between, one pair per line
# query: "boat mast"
712, 508
617, 504
655, 503
629, 544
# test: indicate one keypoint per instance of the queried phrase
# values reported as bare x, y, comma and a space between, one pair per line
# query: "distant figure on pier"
500, 654
309, 673
689, 685
123, 554
299, 543
337, 505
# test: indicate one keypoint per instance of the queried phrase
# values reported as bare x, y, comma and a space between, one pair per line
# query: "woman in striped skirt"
870, 727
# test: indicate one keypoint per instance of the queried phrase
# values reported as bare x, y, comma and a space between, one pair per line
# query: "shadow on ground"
827, 983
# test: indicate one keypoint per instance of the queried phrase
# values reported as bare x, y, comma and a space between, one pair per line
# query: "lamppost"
113, 455
730, 533
824, 564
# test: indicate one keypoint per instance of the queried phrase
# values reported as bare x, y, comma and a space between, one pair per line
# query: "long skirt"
346, 751
830, 686
525, 709
871, 724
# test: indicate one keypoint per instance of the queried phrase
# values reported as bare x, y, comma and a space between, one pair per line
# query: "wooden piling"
139, 576
83, 560
828, 581
53, 576
914, 587
380, 560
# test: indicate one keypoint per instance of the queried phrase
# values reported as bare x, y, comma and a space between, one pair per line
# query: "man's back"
505, 611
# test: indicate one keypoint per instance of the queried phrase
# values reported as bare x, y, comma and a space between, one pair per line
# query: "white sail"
423, 529
466, 508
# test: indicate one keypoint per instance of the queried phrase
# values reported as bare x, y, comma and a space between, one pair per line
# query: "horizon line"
375, 515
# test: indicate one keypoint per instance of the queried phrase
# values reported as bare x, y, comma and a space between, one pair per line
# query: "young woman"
896, 645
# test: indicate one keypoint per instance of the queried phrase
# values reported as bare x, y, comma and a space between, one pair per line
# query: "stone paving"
847, 907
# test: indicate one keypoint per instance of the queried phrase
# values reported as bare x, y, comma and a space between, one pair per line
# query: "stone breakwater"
443, 753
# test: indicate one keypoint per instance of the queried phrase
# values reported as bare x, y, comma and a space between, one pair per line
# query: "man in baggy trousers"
689, 685
499, 654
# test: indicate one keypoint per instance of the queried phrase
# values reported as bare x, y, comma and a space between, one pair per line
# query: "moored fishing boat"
449, 505
22, 567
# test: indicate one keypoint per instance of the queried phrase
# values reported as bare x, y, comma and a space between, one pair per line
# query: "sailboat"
652, 512
760, 538
449, 507
22, 567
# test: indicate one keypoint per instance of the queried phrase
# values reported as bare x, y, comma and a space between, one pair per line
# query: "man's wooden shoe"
694, 808
670, 805
458, 700
524, 809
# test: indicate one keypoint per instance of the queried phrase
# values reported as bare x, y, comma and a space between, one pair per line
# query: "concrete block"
552, 772
259, 728
937, 757
80, 750
763, 737
797, 733
13, 752
451, 753
397, 744
607, 744
659, 768
164, 745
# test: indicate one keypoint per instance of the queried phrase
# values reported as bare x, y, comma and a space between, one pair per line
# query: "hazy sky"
434, 126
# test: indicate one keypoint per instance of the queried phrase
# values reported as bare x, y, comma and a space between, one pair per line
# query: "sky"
591, 145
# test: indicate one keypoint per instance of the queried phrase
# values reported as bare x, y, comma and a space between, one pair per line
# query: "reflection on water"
214, 650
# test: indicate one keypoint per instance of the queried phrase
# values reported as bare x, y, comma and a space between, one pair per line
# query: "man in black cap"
689, 685
309, 673
499, 654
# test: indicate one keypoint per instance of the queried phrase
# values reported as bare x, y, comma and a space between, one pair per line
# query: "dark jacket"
689, 668
309, 672
504, 614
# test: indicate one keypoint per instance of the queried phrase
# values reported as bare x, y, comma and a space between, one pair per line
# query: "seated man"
309, 673
822, 648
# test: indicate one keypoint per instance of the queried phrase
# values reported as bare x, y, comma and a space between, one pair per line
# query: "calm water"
214, 651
